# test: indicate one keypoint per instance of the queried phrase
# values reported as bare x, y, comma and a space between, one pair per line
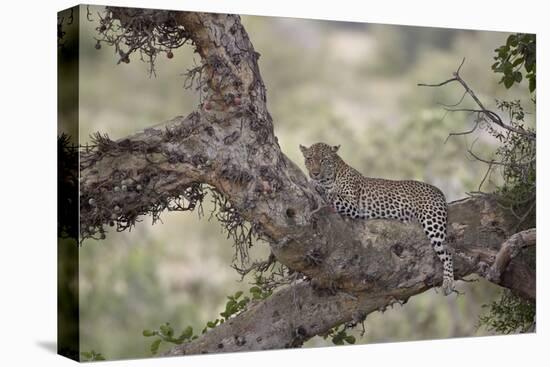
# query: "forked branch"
491, 115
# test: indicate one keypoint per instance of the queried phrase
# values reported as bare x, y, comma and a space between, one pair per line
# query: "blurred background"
352, 84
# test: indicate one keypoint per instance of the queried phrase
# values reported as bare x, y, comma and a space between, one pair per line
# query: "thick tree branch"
228, 145
165, 162
299, 312
284, 320
508, 251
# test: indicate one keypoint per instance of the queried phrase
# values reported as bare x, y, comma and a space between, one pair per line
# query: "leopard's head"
321, 161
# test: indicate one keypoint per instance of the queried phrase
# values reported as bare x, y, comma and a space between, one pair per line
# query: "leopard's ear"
334, 148
303, 149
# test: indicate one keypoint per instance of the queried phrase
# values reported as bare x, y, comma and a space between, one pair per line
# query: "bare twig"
526, 213
463, 132
257, 266
492, 116
438, 84
454, 104
489, 169
491, 162
89, 14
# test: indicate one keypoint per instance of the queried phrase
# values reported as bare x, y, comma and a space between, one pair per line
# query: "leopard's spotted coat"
357, 196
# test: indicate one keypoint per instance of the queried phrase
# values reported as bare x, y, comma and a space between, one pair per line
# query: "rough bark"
229, 145
299, 312
501, 269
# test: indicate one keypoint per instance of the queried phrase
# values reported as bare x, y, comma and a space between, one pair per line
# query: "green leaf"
350, 339
242, 303
99, 357
508, 81
502, 51
518, 76
507, 68
187, 333
532, 84
86, 355
517, 61
230, 307
165, 328
212, 324
529, 64
512, 40
155, 346
149, 333
238, 294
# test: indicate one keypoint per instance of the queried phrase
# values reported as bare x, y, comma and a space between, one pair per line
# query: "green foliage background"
343, 83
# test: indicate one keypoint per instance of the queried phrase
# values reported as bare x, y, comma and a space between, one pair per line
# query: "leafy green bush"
509, 314
339, 336
517, 158
234, 306
91, 356
165, 333
518, 52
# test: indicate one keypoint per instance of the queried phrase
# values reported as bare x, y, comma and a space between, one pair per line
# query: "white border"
28, 260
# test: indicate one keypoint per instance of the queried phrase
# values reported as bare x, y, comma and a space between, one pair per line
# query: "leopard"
353, 195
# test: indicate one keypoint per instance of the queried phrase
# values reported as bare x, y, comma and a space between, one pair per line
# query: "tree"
343, 270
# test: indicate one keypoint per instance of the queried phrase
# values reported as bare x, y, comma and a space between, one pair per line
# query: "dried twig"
492, 116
